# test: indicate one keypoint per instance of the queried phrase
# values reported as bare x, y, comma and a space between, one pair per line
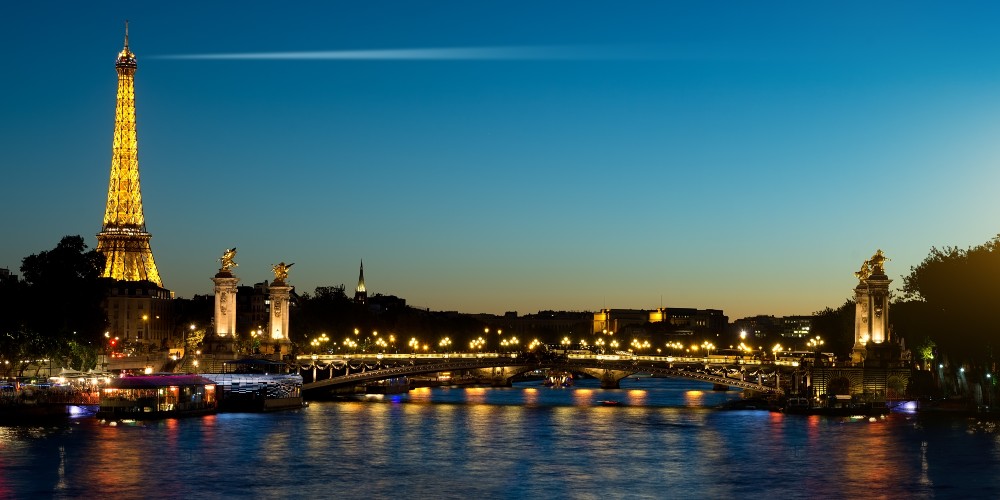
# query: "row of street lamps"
319, 343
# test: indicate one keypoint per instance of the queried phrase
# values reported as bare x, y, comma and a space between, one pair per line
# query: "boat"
607, 402
33, 404
946, 407
256, 385
746, 404
558, 379
395, 385
157, 396
833, 408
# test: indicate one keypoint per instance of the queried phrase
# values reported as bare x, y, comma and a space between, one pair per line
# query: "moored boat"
251, 385
833, 408
157, 396
558, 379
395, 385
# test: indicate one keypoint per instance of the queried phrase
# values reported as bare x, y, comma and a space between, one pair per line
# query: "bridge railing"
370, 356
374, 357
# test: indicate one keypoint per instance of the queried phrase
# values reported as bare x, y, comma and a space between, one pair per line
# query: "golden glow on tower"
361, 280
123, 238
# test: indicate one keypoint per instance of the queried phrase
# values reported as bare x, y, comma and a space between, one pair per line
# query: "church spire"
360, 293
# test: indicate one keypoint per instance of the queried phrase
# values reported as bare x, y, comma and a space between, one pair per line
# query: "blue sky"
731, 155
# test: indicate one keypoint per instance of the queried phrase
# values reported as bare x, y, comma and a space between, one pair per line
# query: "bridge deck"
410, 367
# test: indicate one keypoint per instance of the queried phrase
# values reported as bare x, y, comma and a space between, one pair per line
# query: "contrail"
516, 53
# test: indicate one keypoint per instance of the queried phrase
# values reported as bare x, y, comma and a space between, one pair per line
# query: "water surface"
664, 440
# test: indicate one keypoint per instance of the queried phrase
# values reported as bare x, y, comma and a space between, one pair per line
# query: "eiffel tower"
123, 238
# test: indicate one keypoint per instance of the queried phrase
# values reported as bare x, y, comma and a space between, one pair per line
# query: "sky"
516, 156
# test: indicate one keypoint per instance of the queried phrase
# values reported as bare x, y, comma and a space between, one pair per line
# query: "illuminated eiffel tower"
123, 238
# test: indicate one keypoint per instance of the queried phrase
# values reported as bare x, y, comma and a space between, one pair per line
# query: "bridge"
326, 373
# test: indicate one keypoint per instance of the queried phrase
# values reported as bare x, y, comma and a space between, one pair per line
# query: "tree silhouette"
55, 312
953, 296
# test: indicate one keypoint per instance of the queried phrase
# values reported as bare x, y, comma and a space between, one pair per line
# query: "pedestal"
871, 317
225, 304
278, 325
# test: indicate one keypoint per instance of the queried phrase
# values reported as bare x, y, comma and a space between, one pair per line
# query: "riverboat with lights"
558, 379
253, 385
834, 408
157, 396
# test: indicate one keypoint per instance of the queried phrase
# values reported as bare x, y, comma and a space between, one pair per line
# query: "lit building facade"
674, 320
139, 313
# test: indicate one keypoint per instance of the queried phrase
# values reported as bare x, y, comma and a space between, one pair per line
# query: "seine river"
663, 441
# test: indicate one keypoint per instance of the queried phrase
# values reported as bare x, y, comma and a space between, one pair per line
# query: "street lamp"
708, 346
815, 343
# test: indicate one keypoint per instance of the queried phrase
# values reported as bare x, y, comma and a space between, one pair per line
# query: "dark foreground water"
663, 441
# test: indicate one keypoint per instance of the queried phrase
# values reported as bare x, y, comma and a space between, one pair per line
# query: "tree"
58, 313
836, 327
955, 294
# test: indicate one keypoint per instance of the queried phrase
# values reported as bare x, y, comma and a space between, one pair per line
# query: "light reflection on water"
527, 441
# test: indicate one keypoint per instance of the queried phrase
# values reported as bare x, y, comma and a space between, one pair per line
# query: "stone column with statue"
225, 296
278, 326
871, 296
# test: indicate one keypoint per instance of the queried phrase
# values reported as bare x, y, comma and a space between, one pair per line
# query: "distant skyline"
501, 156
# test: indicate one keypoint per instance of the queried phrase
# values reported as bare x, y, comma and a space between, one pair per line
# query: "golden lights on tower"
123, 239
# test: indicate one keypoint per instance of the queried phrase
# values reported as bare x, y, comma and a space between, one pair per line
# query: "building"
253, 308
670, 321
796, 326
6, 275
756, 327
548, 326
137, 305
139, 312
761, 327
379, 303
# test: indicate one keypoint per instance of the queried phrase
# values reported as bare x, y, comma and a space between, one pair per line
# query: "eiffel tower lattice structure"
123, 239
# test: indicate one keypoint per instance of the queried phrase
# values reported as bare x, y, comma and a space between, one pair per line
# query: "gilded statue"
864, 273
281, 271
227, 259
877, 262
